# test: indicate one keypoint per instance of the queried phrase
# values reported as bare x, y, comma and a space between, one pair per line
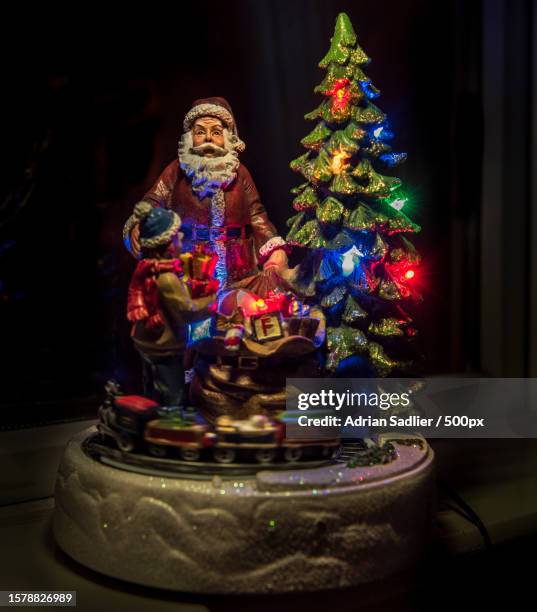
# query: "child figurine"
160, 306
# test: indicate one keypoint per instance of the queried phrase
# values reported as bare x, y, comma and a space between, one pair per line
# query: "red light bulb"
340, 94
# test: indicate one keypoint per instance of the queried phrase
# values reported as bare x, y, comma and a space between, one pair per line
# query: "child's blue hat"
157, 225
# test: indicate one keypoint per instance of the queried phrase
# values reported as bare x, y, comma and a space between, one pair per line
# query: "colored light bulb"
338, 161
350, 259
398, 204
377, 132
340, 94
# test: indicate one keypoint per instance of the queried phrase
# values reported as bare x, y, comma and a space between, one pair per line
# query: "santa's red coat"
243, 207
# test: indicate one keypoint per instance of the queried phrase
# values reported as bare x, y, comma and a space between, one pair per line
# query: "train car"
263, 440
189, 438
295, 448
257, 437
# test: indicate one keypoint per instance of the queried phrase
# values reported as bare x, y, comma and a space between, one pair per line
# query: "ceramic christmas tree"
359, 262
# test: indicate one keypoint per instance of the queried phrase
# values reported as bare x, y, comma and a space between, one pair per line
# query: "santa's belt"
196, 232
246, 362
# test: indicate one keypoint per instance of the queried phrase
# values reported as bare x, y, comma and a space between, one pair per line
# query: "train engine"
124, 417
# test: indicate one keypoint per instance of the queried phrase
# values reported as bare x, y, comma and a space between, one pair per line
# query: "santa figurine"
216, 198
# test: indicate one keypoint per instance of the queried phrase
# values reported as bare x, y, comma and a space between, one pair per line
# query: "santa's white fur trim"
209, 110
271, 245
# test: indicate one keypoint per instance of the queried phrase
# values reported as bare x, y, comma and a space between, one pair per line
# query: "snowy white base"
272, 532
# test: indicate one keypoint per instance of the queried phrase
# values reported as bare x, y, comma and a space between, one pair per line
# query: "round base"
270, 532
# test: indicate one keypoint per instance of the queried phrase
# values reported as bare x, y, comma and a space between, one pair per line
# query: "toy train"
136, 423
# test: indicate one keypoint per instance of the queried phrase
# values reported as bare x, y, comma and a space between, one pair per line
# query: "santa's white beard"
208, 174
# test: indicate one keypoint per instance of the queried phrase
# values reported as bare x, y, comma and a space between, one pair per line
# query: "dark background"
93, 108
